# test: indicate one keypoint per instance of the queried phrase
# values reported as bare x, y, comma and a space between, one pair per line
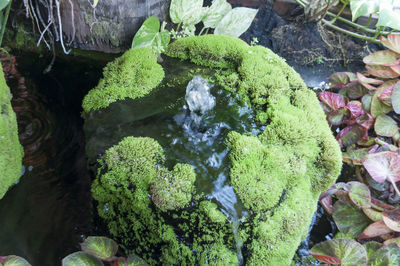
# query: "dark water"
44, 216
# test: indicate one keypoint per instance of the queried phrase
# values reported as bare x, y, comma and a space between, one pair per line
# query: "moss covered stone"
278, 174
132, 75
11, 152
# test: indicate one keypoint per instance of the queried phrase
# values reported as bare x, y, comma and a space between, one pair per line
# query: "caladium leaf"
81, 258
375, 229
333, 100
372, 214
340, 251
388, 17
350, 135
382, 57
381, 71
385, 126
215, 13
187, 12
340, 79
359, 194
377, 106
392, 42
383, 166
392, 219
101, 247
363, 7
236, 21
396, 98
13, 260
349, 218
149, 36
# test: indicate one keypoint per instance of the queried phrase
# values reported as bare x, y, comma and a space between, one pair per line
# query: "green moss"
132, 75
129, 172
173, 190
11, 151
278, 175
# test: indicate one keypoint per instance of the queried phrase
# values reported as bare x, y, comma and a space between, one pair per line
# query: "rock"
277, 174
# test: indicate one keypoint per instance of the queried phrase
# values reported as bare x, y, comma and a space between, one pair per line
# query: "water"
190, 121
44, 216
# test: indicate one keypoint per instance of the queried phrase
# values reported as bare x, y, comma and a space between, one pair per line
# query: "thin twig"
72, 22
60, 27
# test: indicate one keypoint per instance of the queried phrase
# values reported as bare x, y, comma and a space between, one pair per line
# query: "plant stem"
369, 20
394, 185
4, 22
353, 34
179, 26
202, 30
338, 14
379, 31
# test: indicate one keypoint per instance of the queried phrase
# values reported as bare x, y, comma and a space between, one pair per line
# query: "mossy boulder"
11, 151
278, 174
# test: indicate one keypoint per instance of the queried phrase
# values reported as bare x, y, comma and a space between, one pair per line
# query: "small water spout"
199, 99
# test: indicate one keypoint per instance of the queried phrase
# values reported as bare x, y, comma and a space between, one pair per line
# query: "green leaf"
375, 229
149, 35
359, 194
377, 106
363, 7
385, 126
387, 16
354, 156
371, 247
215, 13
380, 58
13, 260
95, 2
133, 260
81, 258
392, 219
349, 219
396, 98
381, 71
346, 252
381, 257
187, 12
100, 247
366, 102
4, 4
236, 22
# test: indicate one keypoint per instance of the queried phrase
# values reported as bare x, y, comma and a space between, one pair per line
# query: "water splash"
198, 99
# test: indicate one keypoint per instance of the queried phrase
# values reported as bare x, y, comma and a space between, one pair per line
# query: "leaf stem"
394, 185
202, 30
339, 13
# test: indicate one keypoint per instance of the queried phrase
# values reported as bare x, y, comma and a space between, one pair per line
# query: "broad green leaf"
375, 229
385, 126
236, 21
386, 93
387, 16
13, 260
354, 90
81, 258
187, 12
149, 35
337, 117
354, 156
371, 247
392, 240
366, 102
133, 260
359, 194
214, 14
392, 42
363, 7
396, 98
4, 4
373, 214
100, 247
349, 218
381, 257
345, 252
379, 58
377, 106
